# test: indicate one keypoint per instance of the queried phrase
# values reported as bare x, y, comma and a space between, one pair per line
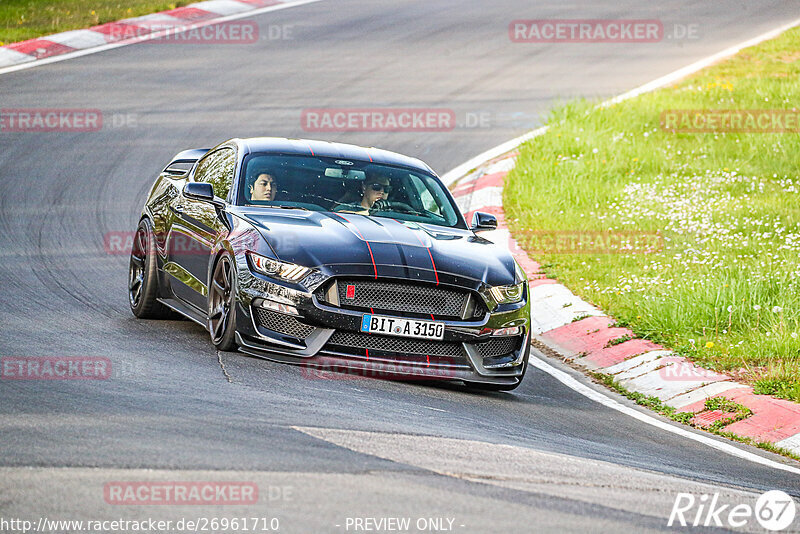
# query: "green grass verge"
25, 19
716, 403
724, 287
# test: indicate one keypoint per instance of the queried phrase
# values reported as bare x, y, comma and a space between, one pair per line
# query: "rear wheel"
222, 305
143, 276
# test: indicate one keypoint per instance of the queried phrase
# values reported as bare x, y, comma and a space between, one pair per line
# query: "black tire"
143, 276
222, 304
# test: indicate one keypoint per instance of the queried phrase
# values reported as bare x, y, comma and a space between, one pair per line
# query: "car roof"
311, 147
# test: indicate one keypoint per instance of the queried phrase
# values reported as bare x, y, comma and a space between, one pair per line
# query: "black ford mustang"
331, 256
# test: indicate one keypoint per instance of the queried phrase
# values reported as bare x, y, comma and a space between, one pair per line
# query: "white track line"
563, 377
453, 174
155, 35
607, 401
457, 172
703, 63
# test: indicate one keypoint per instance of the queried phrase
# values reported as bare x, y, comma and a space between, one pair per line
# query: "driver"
373, 190
264, 187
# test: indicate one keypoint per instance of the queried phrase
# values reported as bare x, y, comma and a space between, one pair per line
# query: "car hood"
350, 244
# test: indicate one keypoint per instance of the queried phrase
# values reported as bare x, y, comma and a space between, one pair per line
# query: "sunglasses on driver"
380, 187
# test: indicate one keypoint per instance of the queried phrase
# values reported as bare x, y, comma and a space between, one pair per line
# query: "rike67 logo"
774, 511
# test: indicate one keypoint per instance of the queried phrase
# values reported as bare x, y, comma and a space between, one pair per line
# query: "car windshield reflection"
345, 187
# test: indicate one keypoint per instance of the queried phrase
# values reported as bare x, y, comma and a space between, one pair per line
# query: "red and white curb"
577, 330
128, 31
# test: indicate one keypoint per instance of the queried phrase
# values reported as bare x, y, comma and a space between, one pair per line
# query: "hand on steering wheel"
381, 205
388, 205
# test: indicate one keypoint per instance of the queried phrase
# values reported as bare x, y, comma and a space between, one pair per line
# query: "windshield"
345, 186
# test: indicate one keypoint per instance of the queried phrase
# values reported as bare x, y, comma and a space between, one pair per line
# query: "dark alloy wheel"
142, 276
222, 305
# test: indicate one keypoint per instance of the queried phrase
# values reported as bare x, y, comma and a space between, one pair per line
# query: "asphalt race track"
542, 458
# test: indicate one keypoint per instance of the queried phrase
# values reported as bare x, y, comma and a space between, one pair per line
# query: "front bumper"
325, 336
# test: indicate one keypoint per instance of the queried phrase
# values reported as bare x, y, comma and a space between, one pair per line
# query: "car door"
195, 229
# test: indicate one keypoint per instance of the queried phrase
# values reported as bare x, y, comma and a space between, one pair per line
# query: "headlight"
277, 269
507, 294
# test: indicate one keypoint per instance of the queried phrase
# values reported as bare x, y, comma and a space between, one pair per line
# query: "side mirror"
201, 191
204, 192
483, 221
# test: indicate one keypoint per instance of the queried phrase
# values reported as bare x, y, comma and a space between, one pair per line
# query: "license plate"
397, 326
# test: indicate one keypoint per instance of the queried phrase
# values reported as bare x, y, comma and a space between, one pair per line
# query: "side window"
217, 170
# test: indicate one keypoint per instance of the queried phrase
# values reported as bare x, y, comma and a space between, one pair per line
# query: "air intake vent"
283, 324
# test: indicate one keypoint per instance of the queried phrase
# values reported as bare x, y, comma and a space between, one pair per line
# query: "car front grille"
404, 349
283, 324
499, 346
413, 299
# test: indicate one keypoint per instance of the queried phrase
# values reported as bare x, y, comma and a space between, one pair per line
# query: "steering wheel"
389, 205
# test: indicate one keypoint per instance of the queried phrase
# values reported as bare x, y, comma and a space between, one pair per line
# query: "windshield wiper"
290, 208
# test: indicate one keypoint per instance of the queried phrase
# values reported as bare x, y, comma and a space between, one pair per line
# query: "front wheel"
222, 305
143, 276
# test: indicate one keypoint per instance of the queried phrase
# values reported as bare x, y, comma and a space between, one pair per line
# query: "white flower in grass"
777, 309
756, 307
794, 335
730, 309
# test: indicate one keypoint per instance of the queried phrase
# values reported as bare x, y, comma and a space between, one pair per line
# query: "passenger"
373, 190
264, 187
